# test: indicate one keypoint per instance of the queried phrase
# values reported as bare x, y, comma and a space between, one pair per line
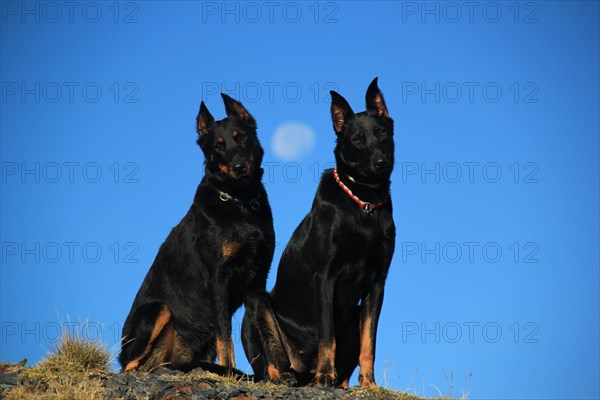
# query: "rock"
168, 384
11, 379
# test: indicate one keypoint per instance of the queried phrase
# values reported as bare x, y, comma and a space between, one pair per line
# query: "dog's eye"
381, 132
238, 134
359, 139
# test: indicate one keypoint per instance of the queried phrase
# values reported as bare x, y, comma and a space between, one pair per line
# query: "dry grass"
66, 373
379, 392
61, 388
73, 368
353, 393
76, 354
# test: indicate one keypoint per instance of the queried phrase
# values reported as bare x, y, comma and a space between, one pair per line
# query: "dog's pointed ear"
375, 101
204, 121
234, 108
341, 112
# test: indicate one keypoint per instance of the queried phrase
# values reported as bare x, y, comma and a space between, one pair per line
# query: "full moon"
293, 140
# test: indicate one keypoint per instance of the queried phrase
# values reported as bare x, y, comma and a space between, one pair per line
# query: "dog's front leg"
369, 318
224, 343
325, 374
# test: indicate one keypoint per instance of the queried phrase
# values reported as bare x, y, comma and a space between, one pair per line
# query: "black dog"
221, 250
320, 320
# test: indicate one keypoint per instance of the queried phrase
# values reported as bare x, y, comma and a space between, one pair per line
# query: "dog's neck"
374, 186
366, 191
229, 188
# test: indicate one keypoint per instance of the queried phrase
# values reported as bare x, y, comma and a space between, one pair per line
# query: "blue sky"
494, 286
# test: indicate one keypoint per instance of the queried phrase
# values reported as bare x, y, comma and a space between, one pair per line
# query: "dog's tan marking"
164, 316
326, 357
181, 352
231, 353
235, 133
366, 358
225, 351
229, 248
220, 351
169, 349
274, 373
224, 168
132, 365
162, 351
345, 384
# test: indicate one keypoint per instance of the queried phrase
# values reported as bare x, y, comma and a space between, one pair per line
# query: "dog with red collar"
320, 320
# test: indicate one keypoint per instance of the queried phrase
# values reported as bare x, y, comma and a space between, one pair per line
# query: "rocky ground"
20, 382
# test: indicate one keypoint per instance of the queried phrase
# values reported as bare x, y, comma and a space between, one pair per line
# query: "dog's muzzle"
381, 165
241, 169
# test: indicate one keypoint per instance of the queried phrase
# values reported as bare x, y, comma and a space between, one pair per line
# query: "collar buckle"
225, 196
254, 204
365, 206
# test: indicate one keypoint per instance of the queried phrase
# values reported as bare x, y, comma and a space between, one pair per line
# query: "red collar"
364, 205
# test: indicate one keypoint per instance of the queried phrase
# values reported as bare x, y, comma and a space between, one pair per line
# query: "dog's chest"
247, 235
233, 239
364, 251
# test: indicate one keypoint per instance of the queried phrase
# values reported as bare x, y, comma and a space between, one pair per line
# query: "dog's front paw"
324, 379
366, 380
287, 379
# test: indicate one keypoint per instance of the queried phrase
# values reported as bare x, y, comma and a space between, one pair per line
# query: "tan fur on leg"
164, 316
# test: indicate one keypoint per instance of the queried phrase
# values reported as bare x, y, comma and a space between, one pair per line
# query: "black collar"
253, 204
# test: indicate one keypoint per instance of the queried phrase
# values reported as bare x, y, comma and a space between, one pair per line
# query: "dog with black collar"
221, 250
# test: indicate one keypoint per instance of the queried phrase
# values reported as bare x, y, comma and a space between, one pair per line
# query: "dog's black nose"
381, 164
239, 168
